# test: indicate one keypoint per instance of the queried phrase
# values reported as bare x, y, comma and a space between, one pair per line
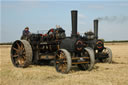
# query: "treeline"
116, 41
7, 43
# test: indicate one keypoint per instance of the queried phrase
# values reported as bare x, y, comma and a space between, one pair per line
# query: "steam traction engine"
65, 51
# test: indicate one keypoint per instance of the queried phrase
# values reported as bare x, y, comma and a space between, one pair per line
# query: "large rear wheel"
21, 53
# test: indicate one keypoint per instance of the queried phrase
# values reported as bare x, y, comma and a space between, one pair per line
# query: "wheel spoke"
60, 55
107, 51
60, 67
17, 50
16, 62
21, 61
63, 68
64, 61
15, 55
57, 61
22, 47
24, 57
24, 53
57, 55
18, 45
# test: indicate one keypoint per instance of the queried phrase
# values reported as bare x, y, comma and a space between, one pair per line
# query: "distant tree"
6, 43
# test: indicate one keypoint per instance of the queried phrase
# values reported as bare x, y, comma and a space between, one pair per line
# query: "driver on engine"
26, 33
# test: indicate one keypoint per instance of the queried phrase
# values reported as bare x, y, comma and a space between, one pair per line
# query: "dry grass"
102, 74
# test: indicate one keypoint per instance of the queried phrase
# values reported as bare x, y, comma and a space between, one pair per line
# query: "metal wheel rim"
18, 54
86, 65
106, 51
61, 62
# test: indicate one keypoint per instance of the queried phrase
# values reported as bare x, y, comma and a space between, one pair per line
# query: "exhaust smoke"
117, 19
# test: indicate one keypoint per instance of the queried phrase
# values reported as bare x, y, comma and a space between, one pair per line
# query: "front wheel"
88, 52
63, 61
107, 51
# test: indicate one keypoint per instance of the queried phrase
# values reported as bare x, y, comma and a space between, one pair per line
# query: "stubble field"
102, 73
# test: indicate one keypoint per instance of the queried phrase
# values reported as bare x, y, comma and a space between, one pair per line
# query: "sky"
43, 15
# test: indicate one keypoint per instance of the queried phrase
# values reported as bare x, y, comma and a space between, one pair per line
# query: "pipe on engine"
96, 28
74, 23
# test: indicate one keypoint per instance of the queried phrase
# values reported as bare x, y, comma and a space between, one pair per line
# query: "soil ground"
102, 73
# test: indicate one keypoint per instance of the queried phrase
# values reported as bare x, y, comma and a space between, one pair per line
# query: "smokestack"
96, 28
74, 23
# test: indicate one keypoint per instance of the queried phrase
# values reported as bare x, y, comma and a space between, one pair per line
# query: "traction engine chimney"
74, 23
96, 28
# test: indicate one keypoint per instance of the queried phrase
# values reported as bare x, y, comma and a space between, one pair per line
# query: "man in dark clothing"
26, 33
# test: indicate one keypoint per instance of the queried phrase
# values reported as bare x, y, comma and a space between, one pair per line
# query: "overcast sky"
43, 15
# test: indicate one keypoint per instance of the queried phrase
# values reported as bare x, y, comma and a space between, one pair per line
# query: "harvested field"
102, 74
